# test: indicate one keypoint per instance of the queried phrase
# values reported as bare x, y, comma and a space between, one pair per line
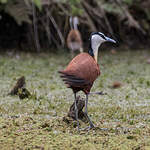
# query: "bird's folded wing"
73, 80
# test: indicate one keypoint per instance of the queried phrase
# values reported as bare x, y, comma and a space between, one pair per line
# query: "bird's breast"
84, 66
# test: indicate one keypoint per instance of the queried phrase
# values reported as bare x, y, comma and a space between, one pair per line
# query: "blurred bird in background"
74, 40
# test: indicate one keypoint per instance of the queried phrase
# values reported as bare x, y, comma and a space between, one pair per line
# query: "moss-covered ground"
122, 117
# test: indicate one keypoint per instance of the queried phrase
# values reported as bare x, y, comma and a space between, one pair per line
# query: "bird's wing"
72, 80
81, 71
74, 37
83, 66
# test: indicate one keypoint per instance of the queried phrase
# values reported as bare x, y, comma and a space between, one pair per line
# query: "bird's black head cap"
90, 48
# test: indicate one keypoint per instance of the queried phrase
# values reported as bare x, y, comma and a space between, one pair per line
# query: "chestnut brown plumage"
83, 70
77, 79
74, 40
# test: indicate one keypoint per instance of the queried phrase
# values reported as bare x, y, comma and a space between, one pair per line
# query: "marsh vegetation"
122, 117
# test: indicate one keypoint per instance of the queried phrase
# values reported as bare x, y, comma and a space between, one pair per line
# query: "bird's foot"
98, 93
102, 93
87, 128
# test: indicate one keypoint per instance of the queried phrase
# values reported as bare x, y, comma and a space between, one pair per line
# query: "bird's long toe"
98, 93
87, 128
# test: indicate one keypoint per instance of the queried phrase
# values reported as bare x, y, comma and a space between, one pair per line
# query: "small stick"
35, 28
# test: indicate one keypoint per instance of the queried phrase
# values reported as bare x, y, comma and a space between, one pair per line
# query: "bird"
83, 70
74, 40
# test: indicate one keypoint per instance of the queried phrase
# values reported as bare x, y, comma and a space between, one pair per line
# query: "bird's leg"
86, 113
98, 93
76, 110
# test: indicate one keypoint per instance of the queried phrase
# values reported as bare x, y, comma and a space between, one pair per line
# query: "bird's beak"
110, 40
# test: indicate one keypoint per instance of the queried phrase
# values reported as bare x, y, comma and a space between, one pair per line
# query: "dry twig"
131, 21
35, 28
56, 27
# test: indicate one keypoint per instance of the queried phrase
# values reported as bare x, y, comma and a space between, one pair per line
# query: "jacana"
74, 40
83, 70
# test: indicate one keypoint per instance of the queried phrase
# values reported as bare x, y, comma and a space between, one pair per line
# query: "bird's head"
75, 22
96, 39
